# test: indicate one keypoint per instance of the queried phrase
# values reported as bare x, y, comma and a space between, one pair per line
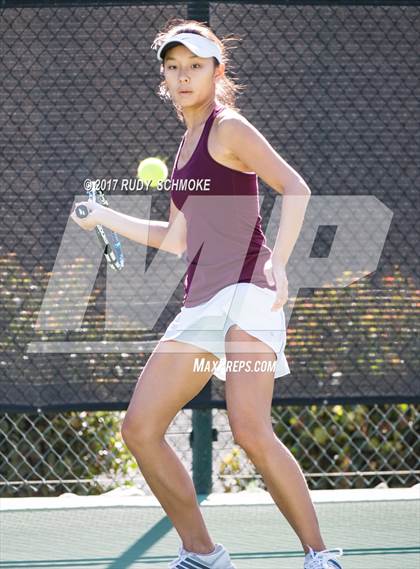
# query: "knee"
253, 441
137, 433
130, 431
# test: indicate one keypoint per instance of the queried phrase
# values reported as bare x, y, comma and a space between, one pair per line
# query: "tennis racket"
108, 240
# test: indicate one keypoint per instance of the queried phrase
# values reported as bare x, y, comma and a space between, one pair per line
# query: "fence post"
202, 451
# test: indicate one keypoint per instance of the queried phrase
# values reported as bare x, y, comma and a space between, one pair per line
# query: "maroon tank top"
225, 241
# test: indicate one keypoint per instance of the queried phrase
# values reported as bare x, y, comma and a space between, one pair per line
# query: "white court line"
132, 498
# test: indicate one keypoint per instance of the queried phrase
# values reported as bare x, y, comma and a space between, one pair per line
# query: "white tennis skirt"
244, 304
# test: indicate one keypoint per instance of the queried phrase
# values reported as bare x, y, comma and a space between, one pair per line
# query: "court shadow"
158, 531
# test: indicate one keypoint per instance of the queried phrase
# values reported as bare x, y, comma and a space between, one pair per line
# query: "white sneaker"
219, 559
323, 559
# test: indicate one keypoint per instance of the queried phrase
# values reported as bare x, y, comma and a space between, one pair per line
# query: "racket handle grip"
82, 211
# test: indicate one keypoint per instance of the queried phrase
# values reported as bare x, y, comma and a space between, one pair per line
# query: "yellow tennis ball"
153, 171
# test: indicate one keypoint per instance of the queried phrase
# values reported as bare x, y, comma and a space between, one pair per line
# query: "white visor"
199, 45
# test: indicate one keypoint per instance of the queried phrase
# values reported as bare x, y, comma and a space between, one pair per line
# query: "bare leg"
248, 398
166, 384
287, 485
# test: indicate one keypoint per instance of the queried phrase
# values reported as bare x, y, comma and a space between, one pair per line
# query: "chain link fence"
338, 447
334, 88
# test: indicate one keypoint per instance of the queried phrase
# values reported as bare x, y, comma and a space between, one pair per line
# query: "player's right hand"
92, 220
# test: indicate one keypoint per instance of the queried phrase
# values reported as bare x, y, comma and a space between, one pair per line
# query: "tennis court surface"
378, 529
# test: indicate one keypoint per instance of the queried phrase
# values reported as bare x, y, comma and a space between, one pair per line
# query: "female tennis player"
235, 290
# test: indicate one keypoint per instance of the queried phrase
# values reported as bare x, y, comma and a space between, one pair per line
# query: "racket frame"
111, 247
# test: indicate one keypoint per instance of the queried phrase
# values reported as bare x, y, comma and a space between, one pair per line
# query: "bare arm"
166, 235
246, 143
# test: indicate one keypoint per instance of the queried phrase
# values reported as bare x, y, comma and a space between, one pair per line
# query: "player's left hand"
275, 273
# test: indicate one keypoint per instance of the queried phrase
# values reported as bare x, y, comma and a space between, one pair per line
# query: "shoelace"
319, 560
